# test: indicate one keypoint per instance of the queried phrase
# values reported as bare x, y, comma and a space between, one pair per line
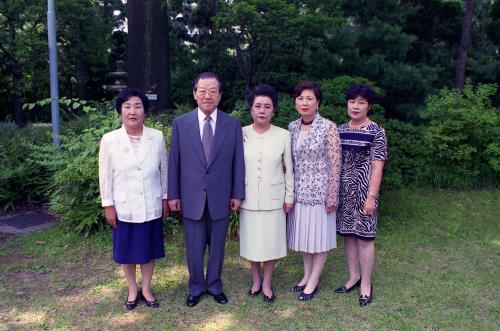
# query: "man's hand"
111, 217
174, 204
234, 204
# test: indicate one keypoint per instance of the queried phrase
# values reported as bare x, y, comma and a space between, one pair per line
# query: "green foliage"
74, 187
22, 179
463, 132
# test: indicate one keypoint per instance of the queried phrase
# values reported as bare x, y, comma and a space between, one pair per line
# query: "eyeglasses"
211, 93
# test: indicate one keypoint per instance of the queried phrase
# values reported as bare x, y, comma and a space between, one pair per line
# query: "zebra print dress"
359, 148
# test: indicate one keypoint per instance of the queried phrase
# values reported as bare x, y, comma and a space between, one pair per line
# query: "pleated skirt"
310, 229
138, 243
262, 234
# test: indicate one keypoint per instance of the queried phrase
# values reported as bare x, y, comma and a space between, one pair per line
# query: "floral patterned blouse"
317, 162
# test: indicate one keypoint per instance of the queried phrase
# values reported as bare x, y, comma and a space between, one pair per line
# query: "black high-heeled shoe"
269, 299
298, 288
252, 294
365, 300
308, 296
150, 304
132, 304
343, 289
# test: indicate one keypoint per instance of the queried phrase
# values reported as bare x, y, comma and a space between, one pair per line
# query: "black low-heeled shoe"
254, 294
298, 288
132, 304
269, 299
150, 304
365, 300
308, 296
343, 289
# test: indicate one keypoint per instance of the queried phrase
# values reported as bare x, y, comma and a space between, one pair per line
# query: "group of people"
295, 188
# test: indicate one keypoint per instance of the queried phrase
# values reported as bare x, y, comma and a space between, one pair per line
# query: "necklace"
306, 123
358, 126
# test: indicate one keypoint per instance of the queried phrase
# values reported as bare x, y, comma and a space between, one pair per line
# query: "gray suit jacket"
195, 181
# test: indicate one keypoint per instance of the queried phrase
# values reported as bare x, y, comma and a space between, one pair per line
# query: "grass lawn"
437, 267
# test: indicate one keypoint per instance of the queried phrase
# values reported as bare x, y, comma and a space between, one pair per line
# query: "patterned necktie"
207, 137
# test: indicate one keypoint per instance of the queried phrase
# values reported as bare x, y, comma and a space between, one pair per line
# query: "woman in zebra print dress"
364, 151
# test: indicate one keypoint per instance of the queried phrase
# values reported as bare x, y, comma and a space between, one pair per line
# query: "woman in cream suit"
317, 158
268, 191
133, 185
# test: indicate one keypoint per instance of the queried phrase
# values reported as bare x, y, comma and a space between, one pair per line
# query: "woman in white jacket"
133, 185
268, 191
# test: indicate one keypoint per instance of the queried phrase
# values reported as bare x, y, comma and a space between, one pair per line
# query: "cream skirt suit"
268, 184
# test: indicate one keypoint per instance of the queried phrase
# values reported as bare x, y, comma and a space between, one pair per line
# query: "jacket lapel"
193, 130
126, 146
146, 145
220, 135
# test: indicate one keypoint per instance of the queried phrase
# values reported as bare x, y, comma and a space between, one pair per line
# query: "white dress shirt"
201, 120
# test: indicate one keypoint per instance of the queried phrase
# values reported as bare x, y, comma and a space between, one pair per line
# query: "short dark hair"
126, 94
360, 90
308, 85
205, 75
263, 90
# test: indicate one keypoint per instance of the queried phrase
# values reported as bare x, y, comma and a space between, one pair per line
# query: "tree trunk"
464, 43
148, 51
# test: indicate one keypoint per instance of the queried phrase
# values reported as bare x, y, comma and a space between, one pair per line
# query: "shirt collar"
201, 116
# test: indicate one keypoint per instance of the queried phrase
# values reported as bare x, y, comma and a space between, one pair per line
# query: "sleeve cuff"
107, 202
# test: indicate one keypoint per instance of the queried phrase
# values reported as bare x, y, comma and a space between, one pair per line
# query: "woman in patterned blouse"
364, 151
316, 155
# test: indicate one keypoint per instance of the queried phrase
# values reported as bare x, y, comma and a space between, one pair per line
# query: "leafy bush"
22, 179
463, 131
74, 188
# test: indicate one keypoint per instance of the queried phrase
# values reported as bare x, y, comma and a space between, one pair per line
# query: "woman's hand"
369, 205
174, 204
110, 212
330, 209
164, 208
287, 207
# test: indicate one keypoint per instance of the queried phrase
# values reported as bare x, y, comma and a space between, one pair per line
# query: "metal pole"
54, 83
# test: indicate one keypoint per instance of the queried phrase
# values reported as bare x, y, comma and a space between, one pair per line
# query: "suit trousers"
199, 234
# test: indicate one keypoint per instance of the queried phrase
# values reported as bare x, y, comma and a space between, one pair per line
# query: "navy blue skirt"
138, 243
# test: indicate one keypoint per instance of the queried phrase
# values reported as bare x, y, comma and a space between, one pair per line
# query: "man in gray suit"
206, 178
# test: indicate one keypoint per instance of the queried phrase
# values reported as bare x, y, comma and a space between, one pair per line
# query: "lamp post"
54, 83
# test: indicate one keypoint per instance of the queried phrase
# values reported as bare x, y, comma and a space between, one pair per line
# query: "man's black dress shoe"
219, 298
131, 304
298, 288
254, 294
151, 304
308, 296
192, 300
365, 300
343, 289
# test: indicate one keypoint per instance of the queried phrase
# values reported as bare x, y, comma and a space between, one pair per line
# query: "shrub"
74, 188
463, 131
22, 179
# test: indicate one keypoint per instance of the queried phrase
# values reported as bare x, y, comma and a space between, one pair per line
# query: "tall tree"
464, 44
148, 50
23, 50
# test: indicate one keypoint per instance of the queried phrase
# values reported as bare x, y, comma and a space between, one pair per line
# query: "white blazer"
134, 185
267, 185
